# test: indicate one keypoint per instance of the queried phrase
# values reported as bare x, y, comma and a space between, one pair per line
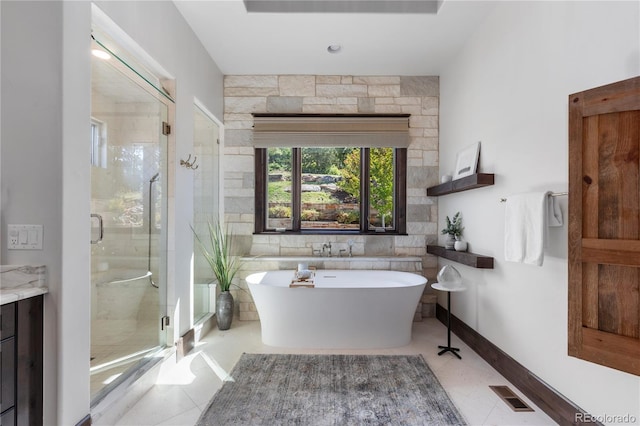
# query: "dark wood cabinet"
8, 374
21, 362
7, 363
8, 418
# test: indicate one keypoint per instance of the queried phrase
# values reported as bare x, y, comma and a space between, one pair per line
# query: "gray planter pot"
224, 310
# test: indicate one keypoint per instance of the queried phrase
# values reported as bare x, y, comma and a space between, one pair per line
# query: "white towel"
554, 214
525, 226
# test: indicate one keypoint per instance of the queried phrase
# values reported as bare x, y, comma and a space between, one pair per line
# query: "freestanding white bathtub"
355, 309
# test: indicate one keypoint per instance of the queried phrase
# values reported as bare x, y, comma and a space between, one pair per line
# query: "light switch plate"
24, 237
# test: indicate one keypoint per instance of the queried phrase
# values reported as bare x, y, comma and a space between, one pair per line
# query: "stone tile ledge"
332, 259
19, 282
393, 263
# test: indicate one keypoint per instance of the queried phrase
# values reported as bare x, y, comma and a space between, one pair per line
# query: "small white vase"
460, 245
449, 242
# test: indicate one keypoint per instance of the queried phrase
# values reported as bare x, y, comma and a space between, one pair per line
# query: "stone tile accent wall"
415, 95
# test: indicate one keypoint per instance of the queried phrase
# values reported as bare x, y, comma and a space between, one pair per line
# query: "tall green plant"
217, 251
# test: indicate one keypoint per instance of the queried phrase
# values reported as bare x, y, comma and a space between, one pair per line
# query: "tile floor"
183, 389
117, 345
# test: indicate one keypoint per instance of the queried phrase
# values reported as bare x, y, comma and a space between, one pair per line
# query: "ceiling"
379, 41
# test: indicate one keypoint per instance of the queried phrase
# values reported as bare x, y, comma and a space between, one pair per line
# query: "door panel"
205, 208
129, 207
604, 225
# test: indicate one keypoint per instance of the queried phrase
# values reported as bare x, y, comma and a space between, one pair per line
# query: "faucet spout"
327, 246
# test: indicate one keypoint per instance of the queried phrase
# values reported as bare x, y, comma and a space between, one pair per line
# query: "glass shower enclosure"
129, 218
205, 208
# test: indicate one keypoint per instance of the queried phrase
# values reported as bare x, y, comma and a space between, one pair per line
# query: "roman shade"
330, 130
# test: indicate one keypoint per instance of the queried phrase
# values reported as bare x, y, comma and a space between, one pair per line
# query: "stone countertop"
19, 282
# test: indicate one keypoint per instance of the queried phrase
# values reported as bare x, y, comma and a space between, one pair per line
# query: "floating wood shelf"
477, 180
466, 258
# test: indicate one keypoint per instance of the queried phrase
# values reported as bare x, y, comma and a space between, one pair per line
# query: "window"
98, 144
331, 173
330, 189
338, 173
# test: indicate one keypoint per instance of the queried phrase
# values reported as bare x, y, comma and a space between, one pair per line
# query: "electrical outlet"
25, 237
13, 237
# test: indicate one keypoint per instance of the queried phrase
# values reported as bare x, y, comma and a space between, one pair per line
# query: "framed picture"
467, 161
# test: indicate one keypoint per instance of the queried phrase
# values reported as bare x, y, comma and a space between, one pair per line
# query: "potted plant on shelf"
217, 250
453, 230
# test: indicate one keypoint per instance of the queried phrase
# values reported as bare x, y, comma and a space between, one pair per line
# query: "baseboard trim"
185, 344
554, 404
86, 421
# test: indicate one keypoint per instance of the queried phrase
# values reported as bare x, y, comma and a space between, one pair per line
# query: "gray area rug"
331, 390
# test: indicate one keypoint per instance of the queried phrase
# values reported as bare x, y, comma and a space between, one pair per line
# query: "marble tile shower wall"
415, 95
131, 129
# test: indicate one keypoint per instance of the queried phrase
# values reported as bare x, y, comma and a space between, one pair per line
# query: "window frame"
400, 196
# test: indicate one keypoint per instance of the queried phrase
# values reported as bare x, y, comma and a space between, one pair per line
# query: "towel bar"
553, 194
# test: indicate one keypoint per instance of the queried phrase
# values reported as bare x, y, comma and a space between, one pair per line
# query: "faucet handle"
326, 246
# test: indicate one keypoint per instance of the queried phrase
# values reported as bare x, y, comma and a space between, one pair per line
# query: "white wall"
32, 153
508, 88
45, 173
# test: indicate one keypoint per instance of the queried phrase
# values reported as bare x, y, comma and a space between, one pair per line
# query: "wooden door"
604, 225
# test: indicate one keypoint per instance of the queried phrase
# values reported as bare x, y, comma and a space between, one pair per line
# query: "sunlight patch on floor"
216, 368
119, 361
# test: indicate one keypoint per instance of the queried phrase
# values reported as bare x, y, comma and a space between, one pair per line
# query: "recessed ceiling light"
334, 48
100, 54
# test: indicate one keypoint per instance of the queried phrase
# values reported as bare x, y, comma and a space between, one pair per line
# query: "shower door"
129, 216
205, 208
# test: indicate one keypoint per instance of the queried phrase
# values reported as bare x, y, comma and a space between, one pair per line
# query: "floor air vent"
511, 399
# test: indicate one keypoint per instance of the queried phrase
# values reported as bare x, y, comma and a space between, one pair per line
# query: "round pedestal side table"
449, 290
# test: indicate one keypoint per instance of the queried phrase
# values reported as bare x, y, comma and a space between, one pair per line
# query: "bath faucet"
327, 245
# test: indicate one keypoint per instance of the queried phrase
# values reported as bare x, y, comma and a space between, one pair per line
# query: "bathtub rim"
420, 279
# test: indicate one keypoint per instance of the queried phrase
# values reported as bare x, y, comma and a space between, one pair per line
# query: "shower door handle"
100, 227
